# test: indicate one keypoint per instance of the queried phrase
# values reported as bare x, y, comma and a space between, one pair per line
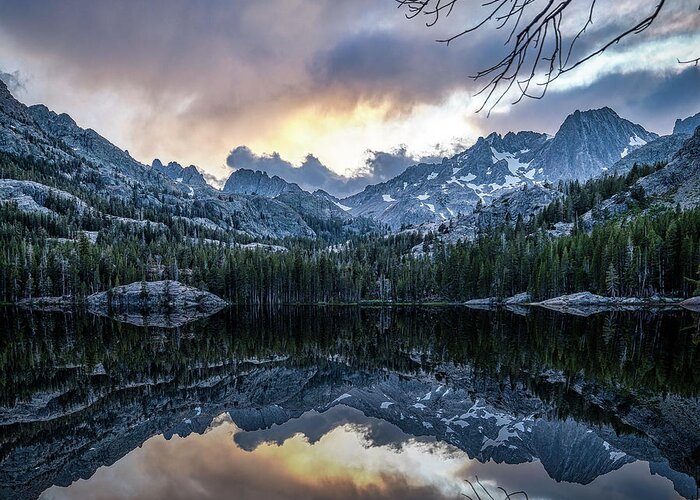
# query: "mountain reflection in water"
349, 402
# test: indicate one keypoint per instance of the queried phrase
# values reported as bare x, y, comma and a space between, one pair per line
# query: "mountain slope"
522, 204
675, 185
20, 135
678, 182
588, 143
687, 126
660, 150
82, 163
435, 192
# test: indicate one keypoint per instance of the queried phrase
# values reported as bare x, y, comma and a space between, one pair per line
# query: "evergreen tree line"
651, 254
653, 251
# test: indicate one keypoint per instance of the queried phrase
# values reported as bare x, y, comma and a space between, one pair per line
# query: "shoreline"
640, 304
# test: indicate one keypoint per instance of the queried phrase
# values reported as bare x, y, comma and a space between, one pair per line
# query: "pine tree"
612, 281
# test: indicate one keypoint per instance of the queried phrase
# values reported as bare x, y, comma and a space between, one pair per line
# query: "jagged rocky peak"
256, 182
688, 125
5, 95
44, 116
588, 143
176, 172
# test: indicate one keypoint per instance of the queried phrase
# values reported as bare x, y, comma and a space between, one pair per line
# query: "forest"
652, 250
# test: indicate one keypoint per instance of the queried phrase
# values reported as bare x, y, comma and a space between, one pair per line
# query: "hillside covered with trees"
648, 251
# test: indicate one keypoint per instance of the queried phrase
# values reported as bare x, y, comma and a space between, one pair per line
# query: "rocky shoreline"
584, 303
166, 303
155, 303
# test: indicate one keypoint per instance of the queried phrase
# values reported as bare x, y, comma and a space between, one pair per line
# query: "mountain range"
87, 164
586, 145
253, 204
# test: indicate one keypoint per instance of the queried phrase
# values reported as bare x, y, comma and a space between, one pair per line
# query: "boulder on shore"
577, 299
692, 303
156, 303
486, 303
518, 299
587, 303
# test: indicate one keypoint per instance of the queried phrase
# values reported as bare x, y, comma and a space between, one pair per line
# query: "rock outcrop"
688, 125
176, 172
692, 303
587, 303
155, 303
245, 181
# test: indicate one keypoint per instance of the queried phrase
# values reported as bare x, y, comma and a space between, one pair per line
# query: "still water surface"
352, 403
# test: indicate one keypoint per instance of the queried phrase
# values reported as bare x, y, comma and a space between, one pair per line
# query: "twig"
694, 62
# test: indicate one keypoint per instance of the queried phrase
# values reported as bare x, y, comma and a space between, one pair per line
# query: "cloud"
213, 180
380, 66
311, 174
382, 165
13, 81
338, 79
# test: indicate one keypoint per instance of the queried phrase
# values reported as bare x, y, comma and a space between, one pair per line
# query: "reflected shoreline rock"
583, 304
165, 304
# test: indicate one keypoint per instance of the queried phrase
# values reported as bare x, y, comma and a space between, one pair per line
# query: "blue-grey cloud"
194, 77
311, 174
652, 100
15, 83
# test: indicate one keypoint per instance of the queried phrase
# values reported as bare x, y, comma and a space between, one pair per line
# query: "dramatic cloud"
337, 454
13, 81
311, 174
173, 79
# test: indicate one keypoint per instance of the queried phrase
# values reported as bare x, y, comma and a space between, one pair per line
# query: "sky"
330, 94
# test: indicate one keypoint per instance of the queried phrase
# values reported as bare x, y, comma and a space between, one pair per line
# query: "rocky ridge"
88, 163
176, 172
688, 125
586, 145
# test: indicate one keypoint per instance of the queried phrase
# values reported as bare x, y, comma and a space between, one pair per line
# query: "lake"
349, 402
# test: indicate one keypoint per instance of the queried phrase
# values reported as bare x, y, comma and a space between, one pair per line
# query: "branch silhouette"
539, 50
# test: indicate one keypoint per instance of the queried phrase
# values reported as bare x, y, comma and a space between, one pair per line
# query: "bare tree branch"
539, 52
694, 62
